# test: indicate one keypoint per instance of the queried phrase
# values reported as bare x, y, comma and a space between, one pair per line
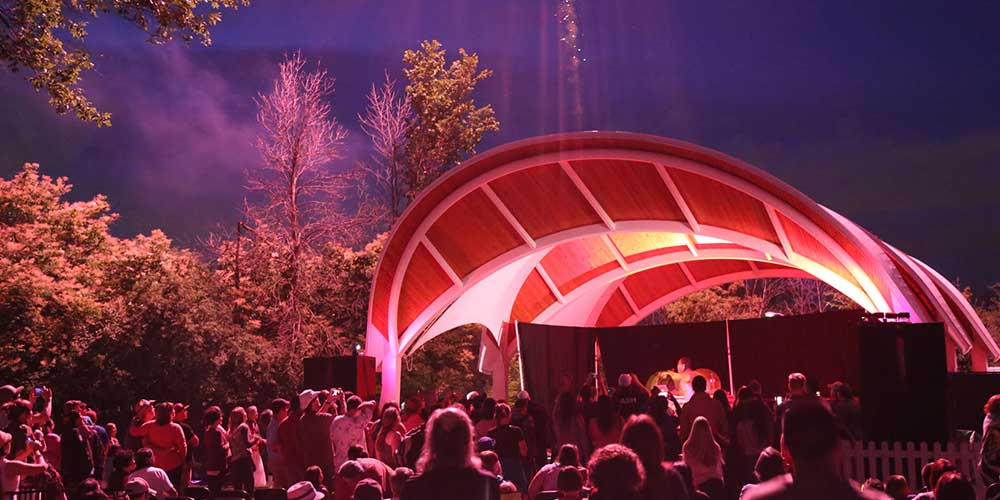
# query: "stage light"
772, 314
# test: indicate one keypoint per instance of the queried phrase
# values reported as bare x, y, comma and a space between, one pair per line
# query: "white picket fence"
881, 460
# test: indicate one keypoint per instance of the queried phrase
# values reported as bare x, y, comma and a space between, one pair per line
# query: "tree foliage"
301, 206
84, 311
448, 363
45, 38
447, 124
751, 299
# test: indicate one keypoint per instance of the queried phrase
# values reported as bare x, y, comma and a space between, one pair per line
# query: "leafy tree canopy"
45, 38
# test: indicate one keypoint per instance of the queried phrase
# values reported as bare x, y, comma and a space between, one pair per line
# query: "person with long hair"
448, 468
389, 437
166, 438
215, 449
752, 432
606, 427
77, 457
702, 453
568, 423
642, 435
241, 442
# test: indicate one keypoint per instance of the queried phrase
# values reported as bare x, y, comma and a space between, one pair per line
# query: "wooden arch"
601, 228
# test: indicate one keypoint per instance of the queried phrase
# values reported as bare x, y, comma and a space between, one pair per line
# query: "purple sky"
884, 111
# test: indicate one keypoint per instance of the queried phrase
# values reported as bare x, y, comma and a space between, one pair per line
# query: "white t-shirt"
346, 431
157, 479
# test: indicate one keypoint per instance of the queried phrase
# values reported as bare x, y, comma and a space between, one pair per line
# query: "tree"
301, 198
381, 182
83, 311
447, 124
37, 33
751, 299
446, 364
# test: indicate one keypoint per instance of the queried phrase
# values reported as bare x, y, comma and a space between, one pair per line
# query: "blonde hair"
700, 446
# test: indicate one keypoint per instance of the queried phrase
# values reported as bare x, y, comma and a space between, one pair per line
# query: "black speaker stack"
350, 373
904, 382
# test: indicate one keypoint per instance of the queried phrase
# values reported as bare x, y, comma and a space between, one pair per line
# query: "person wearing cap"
15, 468
138, 489
545, 437
314, 431
367, 489
180, 418
349, 429
811, 444
143, 412
166, 438
304, 490
630, 396
77, 457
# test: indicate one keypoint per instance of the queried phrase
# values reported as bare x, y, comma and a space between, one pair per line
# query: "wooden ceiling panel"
717, 204
423, 282
771, 266
808, 246
615, 311
628, 190
544, 200
652, 284
637, 246
533, 298
471, 233
706, 269
573, 263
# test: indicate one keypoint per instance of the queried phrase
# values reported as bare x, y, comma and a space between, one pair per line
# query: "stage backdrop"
822, 346
552, 356
646, 350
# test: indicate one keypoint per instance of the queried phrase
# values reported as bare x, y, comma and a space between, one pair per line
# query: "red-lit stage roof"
602, 228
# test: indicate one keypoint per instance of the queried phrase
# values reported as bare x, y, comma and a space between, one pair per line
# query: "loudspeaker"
904, 382
350, 373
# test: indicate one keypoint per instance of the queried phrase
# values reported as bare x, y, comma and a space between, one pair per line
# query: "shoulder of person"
773, 489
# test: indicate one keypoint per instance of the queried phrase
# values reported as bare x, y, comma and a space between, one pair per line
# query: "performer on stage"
678, 382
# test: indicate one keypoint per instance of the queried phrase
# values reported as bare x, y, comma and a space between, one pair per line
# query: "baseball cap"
138, 486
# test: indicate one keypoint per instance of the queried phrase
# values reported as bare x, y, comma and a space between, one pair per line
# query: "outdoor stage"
599, 229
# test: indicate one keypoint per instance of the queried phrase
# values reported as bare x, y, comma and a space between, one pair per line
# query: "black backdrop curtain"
552, 354
646, 350
822, 346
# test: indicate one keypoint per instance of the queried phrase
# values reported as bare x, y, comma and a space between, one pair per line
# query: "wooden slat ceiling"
628, 190
717, 204
573, 263
638, 246
476, 219
545, 200
533, 298
424, 281
652, 284
707, 269
808, 246
616, 311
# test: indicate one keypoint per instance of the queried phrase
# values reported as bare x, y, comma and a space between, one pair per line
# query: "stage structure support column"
391, 372
494, 361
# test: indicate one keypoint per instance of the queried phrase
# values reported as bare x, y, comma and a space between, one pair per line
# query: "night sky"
886, 112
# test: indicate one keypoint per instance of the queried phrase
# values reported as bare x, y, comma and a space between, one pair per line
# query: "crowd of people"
625, 443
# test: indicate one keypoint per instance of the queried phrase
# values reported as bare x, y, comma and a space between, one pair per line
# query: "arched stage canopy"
602, 228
